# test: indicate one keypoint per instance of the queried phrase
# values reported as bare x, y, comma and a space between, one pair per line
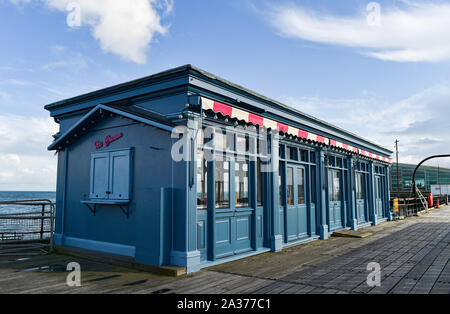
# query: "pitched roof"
99, 112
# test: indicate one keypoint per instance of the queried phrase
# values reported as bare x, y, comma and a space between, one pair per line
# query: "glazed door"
335, 198
296, 209
378, 197
233, 226
360, 185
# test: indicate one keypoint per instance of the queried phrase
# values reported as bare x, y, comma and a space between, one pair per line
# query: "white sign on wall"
437, 190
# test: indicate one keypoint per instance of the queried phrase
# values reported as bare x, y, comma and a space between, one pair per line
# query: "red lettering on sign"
108, 140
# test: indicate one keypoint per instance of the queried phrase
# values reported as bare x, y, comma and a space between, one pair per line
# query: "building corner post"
351, 194
388, 194
372, 201
184, 252
276, 239
323, 229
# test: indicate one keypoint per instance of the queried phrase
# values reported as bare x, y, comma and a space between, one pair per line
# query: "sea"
20, 196
16, 229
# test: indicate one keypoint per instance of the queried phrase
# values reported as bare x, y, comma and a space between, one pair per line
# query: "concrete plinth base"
277, 243
324, 234
190, 260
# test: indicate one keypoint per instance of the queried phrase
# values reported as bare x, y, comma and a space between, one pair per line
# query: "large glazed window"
111, 175
202, 181
241, 183
222, 173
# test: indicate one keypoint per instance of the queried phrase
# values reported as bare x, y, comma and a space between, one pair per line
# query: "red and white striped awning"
242, 115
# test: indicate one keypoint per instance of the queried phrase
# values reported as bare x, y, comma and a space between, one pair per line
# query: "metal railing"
28, 225
412, 206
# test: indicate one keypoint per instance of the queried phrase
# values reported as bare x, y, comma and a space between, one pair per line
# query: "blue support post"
184, 252
276, 236
388, 194
253, 193
324, 232
372, 201
351, 195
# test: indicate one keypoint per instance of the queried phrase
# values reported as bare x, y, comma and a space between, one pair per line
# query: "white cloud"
125, 28
420, 122
25, 163
416, 32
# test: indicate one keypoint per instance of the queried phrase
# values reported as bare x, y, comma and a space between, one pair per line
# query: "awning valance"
242, 115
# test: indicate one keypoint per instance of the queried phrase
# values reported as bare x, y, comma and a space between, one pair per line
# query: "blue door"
360, 187
296, 209
378, 197
233, 227
335, 199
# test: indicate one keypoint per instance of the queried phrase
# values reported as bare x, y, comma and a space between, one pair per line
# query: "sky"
379, 69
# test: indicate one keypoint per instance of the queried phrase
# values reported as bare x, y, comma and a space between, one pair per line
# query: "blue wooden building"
185, 168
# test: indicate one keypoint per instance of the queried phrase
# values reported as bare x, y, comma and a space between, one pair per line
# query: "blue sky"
385, 81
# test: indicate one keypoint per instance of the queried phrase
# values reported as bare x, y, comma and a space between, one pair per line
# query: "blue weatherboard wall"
146, 207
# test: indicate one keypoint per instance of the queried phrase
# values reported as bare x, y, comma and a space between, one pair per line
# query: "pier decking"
415, 259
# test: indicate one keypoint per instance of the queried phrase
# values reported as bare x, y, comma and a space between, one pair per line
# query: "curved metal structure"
418, 166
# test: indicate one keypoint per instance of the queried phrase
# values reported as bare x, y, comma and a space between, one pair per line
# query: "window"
241, 183
300, 186
261, 145
359, 186
281, 151
334, 185
111, 175
290, 185
303, 155
312, 157
313, 185
222, 172
292, 153
259, 183
221, 140
331, 161
202, 181
242, 144
378, 189
280, 185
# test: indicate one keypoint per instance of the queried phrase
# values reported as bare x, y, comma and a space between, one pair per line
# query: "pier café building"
185, 168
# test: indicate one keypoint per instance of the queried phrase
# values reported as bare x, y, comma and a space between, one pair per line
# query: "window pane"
280, 186
330, 186
241, 183
221, 140
312, 157
303, 155
336, 186
222, 184
313, 185
290, 185
202, 181
359, 186
259, 182
330, 161
242, 144
292, 153
300, 186
379, 188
